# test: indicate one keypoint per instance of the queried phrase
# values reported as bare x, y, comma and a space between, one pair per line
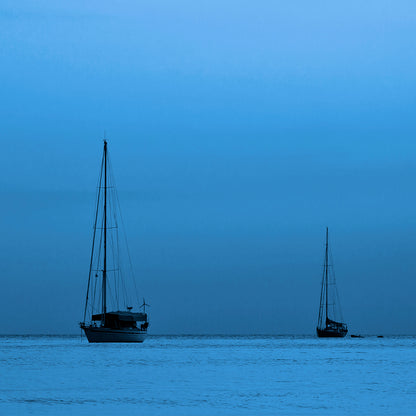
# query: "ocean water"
203, 375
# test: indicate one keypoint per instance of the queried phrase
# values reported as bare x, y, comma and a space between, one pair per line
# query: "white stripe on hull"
113, 335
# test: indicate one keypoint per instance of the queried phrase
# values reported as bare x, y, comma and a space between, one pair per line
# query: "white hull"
100, 334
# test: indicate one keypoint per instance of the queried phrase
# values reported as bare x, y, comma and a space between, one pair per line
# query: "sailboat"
330, 323
108, 313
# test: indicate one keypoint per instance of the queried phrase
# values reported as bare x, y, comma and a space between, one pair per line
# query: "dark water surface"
193, 375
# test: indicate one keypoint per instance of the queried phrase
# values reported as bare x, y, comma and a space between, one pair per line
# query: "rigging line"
338, 304
116, 250
332, 264
98, 265
337, 301
110, 292
113, 291
94, 293
120, 273
118, 277
125, 291
117, 200
116, 260
114, 239
122, 281
127, 246
93, 240
114, 263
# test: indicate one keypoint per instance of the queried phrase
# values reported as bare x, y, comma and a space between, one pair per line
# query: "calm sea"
193, 375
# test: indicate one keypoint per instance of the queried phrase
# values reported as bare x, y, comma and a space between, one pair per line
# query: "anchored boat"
110, 293
329, 303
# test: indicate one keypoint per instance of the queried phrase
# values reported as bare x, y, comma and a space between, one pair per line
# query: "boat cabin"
122, 320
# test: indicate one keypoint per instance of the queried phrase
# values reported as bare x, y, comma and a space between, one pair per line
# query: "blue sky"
238, 131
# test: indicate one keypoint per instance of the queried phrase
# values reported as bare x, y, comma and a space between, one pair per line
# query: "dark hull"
101, 334
331, 333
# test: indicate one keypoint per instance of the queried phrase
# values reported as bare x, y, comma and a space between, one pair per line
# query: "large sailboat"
108, 313
330, 323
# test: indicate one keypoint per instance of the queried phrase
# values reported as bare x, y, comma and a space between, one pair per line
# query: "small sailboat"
108, 314
330, 323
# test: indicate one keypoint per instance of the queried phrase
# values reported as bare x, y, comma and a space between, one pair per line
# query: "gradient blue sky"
238, 130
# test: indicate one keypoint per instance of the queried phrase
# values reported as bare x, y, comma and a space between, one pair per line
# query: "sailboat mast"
104, 290
326, 275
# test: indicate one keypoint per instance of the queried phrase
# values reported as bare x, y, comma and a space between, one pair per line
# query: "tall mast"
326, 275
104, 290
93, 239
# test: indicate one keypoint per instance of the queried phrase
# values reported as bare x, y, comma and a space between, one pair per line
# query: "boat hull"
331, 333
101, 334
